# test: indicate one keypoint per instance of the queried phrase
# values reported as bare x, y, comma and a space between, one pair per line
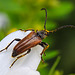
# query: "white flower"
26, 65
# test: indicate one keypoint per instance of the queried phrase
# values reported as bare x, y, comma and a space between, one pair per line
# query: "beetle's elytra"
31, 40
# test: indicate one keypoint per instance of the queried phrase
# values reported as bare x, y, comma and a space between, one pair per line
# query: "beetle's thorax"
42, 34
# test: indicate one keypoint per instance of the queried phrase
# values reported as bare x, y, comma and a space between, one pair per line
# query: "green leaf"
50, 55
57, 72
44, 71
41, 65
51, 72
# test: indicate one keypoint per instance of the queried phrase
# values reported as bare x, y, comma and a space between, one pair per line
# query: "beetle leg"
10, 44
27, 30
20, 57
45, 46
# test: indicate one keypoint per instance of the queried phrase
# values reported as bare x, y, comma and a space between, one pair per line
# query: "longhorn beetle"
31, 40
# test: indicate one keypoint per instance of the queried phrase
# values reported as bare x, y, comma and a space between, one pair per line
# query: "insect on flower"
31, 40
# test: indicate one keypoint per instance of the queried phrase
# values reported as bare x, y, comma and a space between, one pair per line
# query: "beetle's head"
42, 34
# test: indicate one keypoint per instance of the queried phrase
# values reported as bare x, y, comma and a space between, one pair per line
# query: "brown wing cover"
27, 42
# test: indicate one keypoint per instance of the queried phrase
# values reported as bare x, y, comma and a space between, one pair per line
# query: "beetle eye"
37, 33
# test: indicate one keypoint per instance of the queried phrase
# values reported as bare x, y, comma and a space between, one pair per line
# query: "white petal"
30, 61
23, 71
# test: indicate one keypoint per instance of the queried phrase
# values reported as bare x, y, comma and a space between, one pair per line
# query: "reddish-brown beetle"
31, 40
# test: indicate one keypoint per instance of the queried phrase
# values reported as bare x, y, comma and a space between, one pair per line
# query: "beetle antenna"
45, 18
66, 26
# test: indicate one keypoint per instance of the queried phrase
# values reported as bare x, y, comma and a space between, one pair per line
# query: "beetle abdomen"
26, 44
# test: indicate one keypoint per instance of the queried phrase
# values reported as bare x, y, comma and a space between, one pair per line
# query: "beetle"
31, 40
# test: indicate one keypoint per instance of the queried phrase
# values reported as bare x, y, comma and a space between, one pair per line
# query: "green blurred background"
25, 14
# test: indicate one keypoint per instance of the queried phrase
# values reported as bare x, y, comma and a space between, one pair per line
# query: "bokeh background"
25, 14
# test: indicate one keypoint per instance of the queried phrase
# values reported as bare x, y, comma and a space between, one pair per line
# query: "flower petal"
23, 71
30, 61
